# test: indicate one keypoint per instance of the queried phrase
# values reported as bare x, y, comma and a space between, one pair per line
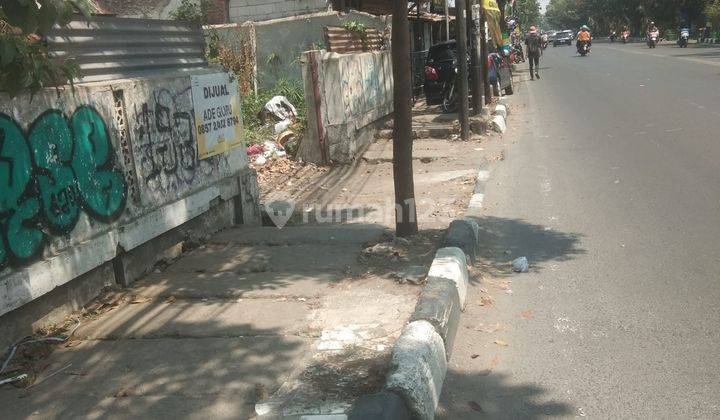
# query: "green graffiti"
103, 190
52, 145
17, 238
48, 178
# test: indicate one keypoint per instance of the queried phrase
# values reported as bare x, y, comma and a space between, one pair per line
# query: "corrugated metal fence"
109, 48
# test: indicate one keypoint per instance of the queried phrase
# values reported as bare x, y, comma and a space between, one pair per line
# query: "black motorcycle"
583, 48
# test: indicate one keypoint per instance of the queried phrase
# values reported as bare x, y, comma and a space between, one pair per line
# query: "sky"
543, 4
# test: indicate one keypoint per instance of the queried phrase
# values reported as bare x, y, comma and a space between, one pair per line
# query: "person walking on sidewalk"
532, 43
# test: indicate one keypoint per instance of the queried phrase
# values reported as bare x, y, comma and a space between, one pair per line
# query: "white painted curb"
501, 110
498, 124
418, 370
451, 263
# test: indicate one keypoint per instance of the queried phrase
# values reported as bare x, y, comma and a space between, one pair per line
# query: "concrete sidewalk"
228, 323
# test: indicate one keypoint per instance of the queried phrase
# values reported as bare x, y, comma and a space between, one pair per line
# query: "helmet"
585, 27
652, 23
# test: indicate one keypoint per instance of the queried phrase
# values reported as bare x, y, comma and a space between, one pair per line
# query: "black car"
439, 69
563, 38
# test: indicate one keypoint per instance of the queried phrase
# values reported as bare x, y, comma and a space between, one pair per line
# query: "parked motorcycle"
683, 38
583, 48
613, 36
518, 53
652, 39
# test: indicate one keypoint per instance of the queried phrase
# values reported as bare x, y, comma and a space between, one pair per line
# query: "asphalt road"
611, 187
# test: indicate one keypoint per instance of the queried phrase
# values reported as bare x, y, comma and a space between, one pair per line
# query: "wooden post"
475, 75
405, 211
484, 54
447, 21
462, 76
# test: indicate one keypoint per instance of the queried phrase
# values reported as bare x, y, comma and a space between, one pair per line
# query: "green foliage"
252, 104
712, 11
359, 30
604, 15
527, 12
24, 63
189, 11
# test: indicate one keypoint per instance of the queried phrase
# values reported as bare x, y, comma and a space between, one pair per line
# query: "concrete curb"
421, 353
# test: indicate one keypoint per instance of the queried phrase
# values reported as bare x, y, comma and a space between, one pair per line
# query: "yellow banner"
491, 5
492, 17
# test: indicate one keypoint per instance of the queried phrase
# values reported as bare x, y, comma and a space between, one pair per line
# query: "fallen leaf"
527, 314
500, 343
474, 356
495, 361
483, 290
475, 406
485, 301
73, 343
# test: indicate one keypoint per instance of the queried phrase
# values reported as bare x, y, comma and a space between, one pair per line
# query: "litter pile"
279, 113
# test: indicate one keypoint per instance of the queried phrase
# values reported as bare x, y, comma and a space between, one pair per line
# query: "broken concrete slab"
317, 234
385, 405
181, 378
418, 369
227, 285
259, 258
177, 319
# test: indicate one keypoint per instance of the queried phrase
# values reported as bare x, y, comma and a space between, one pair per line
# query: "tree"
712, 11
24, 62
405, 211
527, 12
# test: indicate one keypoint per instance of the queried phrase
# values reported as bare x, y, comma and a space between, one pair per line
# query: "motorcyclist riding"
653, 35
584, 37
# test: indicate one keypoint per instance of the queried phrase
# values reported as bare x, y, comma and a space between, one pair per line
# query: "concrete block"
418, 369
384, 405
501, 110
451, 263
439, 304
498, 124
463, 233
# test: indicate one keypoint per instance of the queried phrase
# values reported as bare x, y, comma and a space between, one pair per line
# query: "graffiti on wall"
363, 83
165, 144
61, 167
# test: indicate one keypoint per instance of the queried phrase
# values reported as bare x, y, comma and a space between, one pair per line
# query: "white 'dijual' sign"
217, 113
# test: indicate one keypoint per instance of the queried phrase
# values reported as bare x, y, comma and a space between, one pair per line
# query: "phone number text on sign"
217, 113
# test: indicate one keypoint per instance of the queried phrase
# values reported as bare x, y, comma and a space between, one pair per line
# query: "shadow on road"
502, 240
474, 396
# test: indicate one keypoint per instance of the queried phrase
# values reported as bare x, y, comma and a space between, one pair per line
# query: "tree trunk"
405, 211
462, 76
484, 55
475, 75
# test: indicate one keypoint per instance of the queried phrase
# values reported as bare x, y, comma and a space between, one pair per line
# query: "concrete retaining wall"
242, 10
89, 175
356, 92
277, 44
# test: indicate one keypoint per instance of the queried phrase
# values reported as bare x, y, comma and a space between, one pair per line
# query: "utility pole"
462, 82
473, 33
447, 21
405, 211
484, 53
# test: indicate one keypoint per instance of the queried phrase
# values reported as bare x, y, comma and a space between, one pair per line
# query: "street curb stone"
450, 263
501, 110
419, 366
498, 124
439, 304
464, 234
